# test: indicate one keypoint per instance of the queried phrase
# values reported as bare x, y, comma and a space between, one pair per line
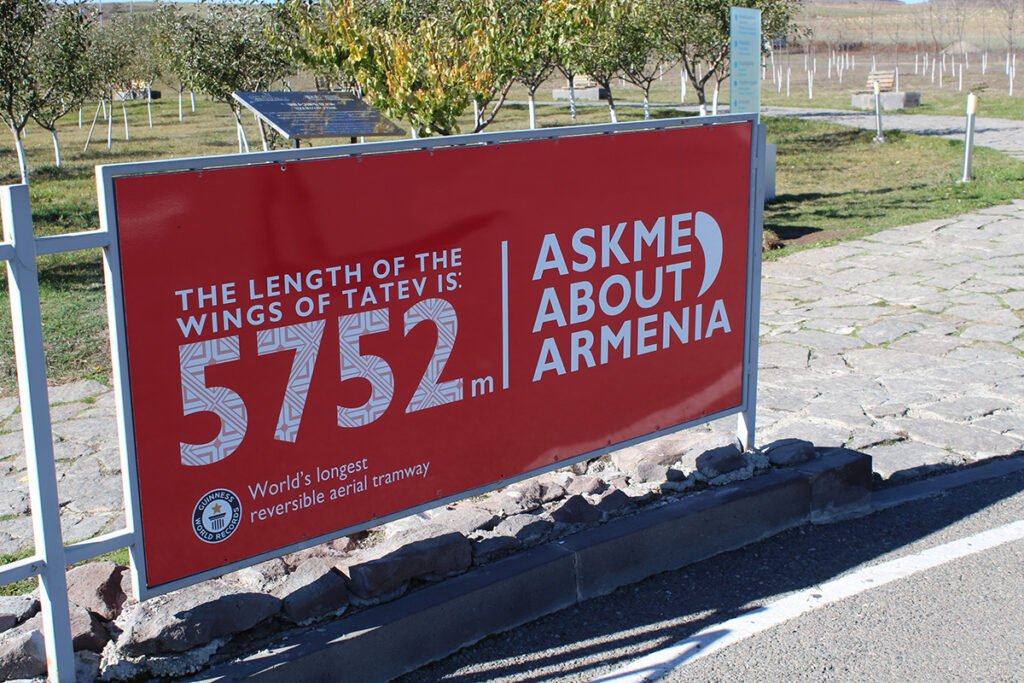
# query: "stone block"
586, 484
576, 510
719, 461
527, 529
15, 609
316, 588
428, 559
87, 631
840, 482
96, 586
22, 654
785, 452
466, 520
192, 617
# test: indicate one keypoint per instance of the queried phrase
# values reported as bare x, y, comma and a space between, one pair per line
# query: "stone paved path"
908, 345
1004, 135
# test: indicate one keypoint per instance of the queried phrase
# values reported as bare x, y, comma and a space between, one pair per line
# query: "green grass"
833, 183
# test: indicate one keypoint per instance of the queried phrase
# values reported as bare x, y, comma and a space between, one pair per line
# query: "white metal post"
23, 280
972, 108
746, 421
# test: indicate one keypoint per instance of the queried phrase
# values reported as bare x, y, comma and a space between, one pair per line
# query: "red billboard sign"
315, 345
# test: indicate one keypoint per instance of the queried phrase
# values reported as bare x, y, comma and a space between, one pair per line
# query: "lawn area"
833, 183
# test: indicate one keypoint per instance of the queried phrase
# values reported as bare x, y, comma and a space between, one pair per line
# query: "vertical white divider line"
504, 314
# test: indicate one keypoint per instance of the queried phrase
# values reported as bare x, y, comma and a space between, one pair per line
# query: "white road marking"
720, 636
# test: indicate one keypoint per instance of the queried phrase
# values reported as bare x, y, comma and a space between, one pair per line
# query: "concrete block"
594, 94
392, 639
890, 100
840, 482
695, 528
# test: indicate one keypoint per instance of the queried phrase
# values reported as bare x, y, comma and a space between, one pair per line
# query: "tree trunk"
110, 126
243, 142
611, 107
88, 138
22, 164
124, 111
79, 117
56, 147
476, 114
192, 95
149, 103
181, 115
572, 97
533, 109
647, 105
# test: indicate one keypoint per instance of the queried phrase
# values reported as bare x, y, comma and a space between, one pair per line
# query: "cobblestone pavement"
908, 345
1004, 135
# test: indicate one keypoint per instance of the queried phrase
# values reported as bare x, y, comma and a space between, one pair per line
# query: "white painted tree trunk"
110, 126
572, 98
181, 111
149, 103
56, 148
532, 104
79, 117
612, 113
22, 163
192, 96
124, 111
647, 107
682, 85
714, 102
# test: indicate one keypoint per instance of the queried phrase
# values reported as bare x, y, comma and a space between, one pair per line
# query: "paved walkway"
1004, 135
908, 345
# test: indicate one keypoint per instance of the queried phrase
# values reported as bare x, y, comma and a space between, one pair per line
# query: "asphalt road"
960, 619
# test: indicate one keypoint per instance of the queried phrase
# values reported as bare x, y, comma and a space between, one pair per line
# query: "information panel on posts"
315, 345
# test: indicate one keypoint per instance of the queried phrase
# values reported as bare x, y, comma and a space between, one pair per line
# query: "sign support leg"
23, 280
746, 421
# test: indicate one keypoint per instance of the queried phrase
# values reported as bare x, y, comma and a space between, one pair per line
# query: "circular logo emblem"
216, 515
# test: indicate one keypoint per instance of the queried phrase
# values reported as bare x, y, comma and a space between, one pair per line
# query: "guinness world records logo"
216, 515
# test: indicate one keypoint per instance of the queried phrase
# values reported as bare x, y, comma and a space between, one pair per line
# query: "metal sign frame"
20, 250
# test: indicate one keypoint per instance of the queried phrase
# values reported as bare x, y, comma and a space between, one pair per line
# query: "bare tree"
1010, 13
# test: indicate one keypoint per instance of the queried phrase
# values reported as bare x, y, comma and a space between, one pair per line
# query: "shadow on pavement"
636, 620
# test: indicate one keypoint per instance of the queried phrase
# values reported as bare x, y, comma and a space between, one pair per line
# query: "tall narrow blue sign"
744, 60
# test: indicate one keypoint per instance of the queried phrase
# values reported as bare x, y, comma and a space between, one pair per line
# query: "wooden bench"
886, 81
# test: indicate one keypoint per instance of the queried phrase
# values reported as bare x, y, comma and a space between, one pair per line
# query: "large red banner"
315, 345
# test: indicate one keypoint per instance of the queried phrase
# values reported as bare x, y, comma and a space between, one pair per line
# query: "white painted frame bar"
26, 316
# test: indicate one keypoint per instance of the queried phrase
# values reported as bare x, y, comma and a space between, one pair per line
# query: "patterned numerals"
304, 340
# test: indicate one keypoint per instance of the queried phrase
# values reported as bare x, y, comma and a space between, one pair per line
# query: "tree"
63, 67
534, 61
696, 32
422, 60
1010, 12
569, 21
229, 48
640, 24
36, 68
605, 49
